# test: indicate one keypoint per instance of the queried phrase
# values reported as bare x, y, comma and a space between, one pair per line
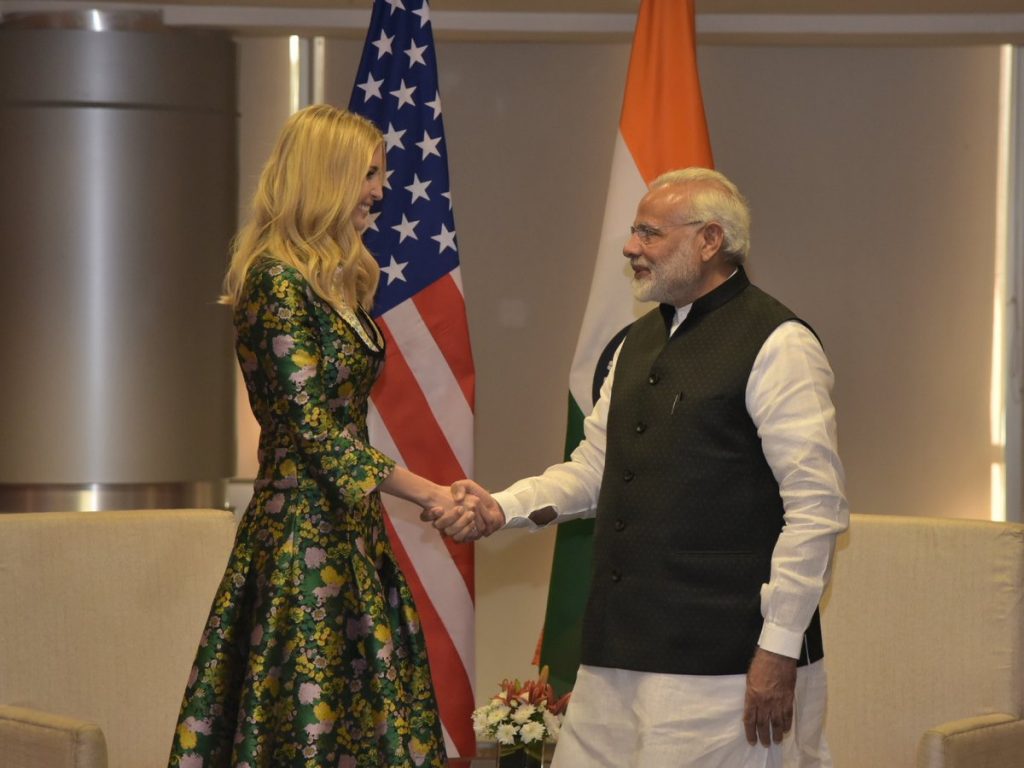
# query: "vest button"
616, 576
653, 379
640, 427
628, 475
620, 525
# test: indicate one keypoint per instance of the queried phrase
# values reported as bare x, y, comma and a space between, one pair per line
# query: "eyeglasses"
647, 234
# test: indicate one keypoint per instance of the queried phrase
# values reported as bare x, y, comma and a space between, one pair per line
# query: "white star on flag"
393, 138
374, 215
418, 188
404, 95
395, 5
394, 270
383, 44
406, 229
371, 88
434, 105
429, 145
445, 239
415, 54
424, 14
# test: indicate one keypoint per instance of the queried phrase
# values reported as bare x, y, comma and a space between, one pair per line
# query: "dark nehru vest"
689, 510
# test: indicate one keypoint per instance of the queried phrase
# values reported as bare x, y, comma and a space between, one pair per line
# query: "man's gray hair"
715, 198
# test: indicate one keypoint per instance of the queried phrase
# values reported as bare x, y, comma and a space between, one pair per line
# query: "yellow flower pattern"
313, 654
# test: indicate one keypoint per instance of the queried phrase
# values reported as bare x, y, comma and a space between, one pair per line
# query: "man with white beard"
710, 461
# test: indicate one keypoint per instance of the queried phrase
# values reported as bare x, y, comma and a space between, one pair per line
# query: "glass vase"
525, 756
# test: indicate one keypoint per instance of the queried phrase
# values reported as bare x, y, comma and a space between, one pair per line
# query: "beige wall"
872, 177
263, 108
871, 173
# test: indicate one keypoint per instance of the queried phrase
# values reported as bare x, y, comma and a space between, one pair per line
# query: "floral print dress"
313, 653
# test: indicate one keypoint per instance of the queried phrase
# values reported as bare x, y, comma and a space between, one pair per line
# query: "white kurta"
626, 718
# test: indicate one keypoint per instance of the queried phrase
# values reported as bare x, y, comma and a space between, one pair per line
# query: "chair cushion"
29, 739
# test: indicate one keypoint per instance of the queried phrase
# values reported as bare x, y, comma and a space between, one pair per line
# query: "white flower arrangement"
522, 715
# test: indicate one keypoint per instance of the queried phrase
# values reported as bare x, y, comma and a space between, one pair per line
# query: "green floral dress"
313, 653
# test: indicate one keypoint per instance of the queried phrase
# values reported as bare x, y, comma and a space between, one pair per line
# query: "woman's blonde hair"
302, 209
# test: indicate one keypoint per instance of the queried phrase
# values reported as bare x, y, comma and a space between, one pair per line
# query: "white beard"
643, 288
667, 283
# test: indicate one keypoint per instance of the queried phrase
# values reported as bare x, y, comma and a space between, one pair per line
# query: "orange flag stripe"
662, 119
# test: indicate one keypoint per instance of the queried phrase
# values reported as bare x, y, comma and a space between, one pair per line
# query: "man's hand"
768, 706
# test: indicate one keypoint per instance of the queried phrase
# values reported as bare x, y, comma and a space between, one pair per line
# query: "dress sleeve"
276, 317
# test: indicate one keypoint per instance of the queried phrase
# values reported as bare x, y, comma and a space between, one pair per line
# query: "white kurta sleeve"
569, 489
789, 400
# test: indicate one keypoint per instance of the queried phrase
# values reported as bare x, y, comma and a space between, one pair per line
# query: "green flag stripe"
570, 583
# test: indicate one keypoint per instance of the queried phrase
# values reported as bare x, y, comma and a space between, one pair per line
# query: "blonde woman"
313, 653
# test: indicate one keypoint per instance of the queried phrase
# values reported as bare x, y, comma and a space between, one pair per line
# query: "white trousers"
623, 719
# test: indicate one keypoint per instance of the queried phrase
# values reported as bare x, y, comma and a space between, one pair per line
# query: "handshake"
469, 514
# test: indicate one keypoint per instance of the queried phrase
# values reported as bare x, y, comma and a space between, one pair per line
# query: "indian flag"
661, 128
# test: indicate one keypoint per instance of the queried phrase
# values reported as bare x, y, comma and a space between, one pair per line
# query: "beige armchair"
923, 640
101, 615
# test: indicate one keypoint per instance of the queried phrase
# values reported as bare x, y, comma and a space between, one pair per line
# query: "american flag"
422, 407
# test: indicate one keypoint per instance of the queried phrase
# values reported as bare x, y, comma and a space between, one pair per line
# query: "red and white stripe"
421, 414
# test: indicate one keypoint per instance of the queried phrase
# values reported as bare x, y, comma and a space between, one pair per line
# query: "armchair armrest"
986, 741
30, 738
